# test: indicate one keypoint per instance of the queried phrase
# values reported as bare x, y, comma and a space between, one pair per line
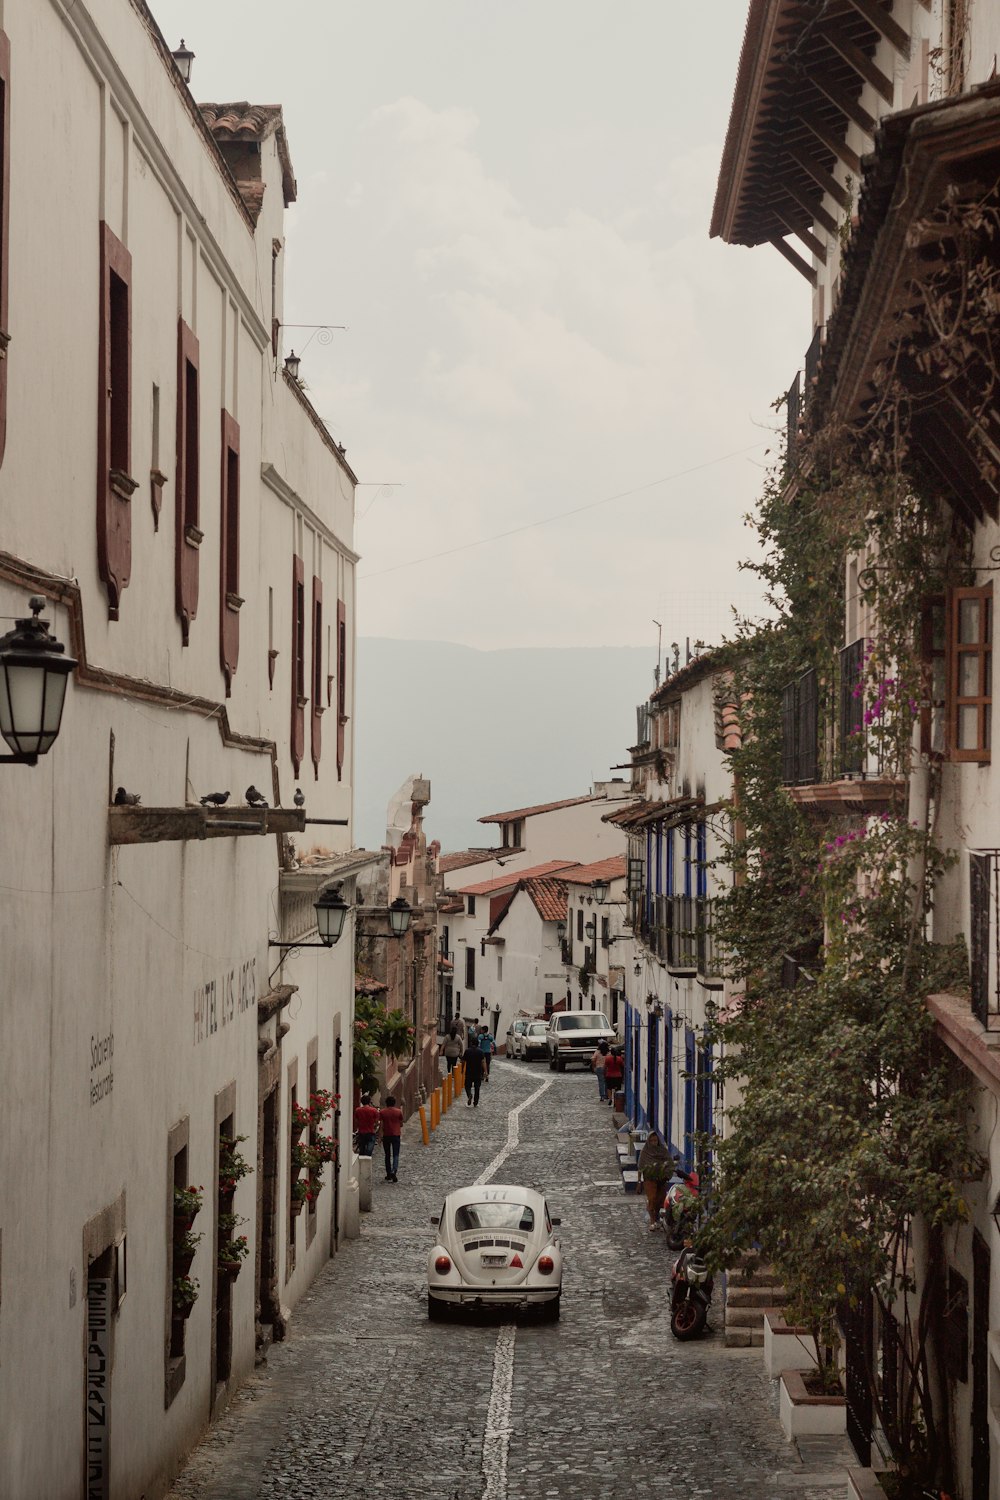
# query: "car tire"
561, 1064
436, 1311
549, 1311
552, 1062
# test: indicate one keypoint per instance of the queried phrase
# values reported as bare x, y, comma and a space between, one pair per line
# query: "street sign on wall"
99, 1303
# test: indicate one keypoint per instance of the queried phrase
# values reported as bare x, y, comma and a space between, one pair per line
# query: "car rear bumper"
494, 1297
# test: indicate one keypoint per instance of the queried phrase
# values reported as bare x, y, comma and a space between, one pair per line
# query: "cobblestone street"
368, 1399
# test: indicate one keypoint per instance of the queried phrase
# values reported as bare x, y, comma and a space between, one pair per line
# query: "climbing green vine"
841, 1163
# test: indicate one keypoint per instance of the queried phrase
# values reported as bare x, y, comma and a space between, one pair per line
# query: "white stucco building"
170, 493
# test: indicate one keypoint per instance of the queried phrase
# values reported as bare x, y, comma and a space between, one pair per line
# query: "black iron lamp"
996, 1213
400, 913
331, 913
34, 671
601, 890
184, 57
561, 931
590, 928
292, 363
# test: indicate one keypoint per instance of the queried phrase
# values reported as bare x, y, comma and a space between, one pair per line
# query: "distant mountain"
491, 729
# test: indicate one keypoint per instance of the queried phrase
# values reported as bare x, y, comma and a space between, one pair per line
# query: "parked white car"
514, 1032
495, 1248
531, 1043
573, 1034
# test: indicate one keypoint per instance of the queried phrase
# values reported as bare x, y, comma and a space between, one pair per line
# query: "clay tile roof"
244, 122
686, 676
541, 807
451, 908
549, 897
464, 857
601, 869
505, 882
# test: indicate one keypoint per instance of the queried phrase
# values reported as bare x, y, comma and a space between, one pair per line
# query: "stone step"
754, 1296
744, 1317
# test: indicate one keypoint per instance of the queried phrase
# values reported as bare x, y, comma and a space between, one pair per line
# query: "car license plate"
494, 1260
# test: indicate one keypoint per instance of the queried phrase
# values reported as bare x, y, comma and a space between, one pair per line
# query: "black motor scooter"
690, 1296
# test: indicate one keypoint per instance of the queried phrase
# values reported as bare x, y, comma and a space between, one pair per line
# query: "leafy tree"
378, 1033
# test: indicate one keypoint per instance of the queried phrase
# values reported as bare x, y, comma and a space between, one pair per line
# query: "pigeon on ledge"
255, 798
126, 799
217, 799
300, 797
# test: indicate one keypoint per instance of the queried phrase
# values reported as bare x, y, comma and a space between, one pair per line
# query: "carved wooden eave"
802, 70
868, 798
928, 163
156, 825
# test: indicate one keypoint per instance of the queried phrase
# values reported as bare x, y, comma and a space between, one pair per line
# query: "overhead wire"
561, 515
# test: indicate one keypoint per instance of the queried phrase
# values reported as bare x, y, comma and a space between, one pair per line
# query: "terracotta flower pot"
182, 1262
183, 1309
298, 1204
230, 1268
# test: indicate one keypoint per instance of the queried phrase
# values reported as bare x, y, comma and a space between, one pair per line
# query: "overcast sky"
507, 202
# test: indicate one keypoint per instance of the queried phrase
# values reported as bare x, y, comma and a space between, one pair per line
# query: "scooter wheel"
687, 1320
675, 1240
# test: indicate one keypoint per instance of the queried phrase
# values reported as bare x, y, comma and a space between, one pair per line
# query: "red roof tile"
465, 857
541, 807
508, 882
549, 897
251, 123
601, 869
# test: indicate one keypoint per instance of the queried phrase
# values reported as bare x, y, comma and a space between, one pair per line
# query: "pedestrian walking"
366, 1125
598, 1062
655, 1167
474, 1062
462, 1029
453, 1048
487, 1047
391, 1120
614, 1072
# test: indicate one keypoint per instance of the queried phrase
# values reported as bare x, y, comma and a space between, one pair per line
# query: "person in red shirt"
391, 1118
614, 1072
366, 1125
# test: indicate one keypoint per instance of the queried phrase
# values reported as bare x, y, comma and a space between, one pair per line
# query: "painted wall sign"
102, 1073
219, 1002
98, 1389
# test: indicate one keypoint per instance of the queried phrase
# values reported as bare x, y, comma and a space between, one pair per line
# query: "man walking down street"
487, 1047
366, 1125
391, 1118
474, 1061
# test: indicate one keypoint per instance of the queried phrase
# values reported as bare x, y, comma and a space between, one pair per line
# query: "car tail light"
516, 1260
442, 1265
546, 1265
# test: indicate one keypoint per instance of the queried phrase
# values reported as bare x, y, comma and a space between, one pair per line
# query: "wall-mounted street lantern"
292, 362
184, 57
400, 913
331, 913
34, 671
601, 890
560, 931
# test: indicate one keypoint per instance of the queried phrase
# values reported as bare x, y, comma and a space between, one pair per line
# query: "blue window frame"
669, 836
652, 1071
668, 1076
647, 883
701, 870
687, 859
705, 1115
690, 1066
659, 859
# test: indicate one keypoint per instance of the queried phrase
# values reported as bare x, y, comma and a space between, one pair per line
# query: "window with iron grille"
800, 730
470, 968
852, 709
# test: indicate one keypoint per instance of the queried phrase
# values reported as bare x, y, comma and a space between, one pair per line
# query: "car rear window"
495, 1216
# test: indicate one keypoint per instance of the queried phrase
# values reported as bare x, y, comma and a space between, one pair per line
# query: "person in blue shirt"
487, 1047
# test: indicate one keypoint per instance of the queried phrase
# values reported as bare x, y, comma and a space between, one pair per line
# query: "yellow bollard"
444, 1096
431, 1101
449, 1085
423, 1125
437, 1097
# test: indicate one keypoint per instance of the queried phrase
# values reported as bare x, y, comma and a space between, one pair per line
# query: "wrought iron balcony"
709, 963
984, 936
800, 730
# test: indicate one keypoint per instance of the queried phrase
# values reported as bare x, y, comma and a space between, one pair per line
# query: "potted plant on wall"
233, 1165
301, 1118
185, 1295
232, 1254
300, 1189
187, 1204
185, 1245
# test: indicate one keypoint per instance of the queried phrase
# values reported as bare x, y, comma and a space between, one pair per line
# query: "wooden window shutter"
115, 486
341, 685
230, 601
188, 534
970, 673
317, 674
298, 740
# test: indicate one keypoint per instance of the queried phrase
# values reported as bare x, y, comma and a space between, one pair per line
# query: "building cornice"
279, 486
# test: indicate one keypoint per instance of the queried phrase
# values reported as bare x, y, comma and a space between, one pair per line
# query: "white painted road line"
496, 1438
512, 1134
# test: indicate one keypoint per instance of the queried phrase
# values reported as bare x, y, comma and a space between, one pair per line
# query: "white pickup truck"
573, 1035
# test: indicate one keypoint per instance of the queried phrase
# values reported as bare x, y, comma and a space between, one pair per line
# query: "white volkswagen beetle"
495, 1248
